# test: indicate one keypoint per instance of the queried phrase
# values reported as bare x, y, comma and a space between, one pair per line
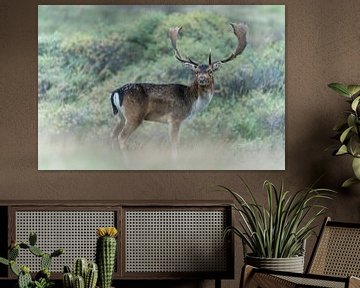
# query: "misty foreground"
67, 154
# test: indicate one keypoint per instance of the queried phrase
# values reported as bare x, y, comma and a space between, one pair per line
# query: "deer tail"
116, 99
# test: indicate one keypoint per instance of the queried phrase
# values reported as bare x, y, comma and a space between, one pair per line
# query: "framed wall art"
161, 87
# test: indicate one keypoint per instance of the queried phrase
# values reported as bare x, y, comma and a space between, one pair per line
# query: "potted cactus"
84, 275
42, 278
106, 254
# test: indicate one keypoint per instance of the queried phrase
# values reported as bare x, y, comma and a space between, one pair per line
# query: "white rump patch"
116, 99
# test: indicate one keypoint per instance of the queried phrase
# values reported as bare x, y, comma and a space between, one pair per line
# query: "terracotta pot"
291, 264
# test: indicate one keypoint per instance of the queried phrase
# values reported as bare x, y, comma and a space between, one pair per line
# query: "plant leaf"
340, 88
349, 182
355, 103
345, 134
354, 144
356, 167
4, 261
342, 150
351, 120
353, 89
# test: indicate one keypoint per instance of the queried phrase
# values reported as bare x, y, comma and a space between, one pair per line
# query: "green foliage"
242, 117
42, 278
4, 261
279, 229
24, 280
43, 283
349, 131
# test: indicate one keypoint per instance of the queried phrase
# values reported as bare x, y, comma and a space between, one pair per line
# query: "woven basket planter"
291, 264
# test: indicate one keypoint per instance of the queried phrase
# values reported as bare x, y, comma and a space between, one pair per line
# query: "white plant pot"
291, 264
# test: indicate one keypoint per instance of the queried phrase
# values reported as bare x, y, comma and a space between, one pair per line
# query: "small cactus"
24, 246
80, 267
106, 254
57, 252
32, 238
14, 268
68, 280
45, 261
36, 251
88, 273
23, 273
91, 276
67, 269
24, 280
79, 282
13, 253
44, 273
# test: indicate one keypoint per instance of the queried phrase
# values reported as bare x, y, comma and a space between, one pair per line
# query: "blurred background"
85, 52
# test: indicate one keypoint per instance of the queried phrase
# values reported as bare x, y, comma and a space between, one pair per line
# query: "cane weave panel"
304, 282
338, 253
175, 241
74, 231
268, 280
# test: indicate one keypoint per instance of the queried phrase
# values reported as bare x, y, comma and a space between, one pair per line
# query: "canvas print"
161, 87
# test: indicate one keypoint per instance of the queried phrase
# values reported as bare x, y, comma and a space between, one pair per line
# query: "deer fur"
168, 103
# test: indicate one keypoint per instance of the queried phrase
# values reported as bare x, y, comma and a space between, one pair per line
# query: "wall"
322, 46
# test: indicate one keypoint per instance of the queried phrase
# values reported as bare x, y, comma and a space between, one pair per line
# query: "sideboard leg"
217, 283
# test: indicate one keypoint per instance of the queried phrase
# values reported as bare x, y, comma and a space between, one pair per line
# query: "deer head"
204, 72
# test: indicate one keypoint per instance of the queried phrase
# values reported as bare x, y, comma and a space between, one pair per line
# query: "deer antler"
173, 33
240, 33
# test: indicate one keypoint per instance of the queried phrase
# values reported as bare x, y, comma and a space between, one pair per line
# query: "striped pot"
291, 264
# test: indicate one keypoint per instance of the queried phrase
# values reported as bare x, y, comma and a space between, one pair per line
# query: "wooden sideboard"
157, 240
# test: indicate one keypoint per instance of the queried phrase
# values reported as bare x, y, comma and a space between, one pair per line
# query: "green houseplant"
275, 233
106, 254
348, 132
42, 278
84, 274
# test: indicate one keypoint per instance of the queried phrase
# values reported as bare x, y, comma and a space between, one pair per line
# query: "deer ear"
216, 65
191, 66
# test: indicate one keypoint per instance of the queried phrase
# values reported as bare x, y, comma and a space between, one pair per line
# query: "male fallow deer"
169, 103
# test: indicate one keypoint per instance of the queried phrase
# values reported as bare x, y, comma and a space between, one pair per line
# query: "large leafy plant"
348, 132
279, 229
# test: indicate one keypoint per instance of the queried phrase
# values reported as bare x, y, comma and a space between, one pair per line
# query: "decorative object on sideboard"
106, 254
42, 278
349, 132
275, 233
85, 274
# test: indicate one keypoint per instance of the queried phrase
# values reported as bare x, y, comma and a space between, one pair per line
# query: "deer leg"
174, 137
129, 128
120, 122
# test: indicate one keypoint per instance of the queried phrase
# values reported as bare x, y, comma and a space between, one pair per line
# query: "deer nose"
202, 80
